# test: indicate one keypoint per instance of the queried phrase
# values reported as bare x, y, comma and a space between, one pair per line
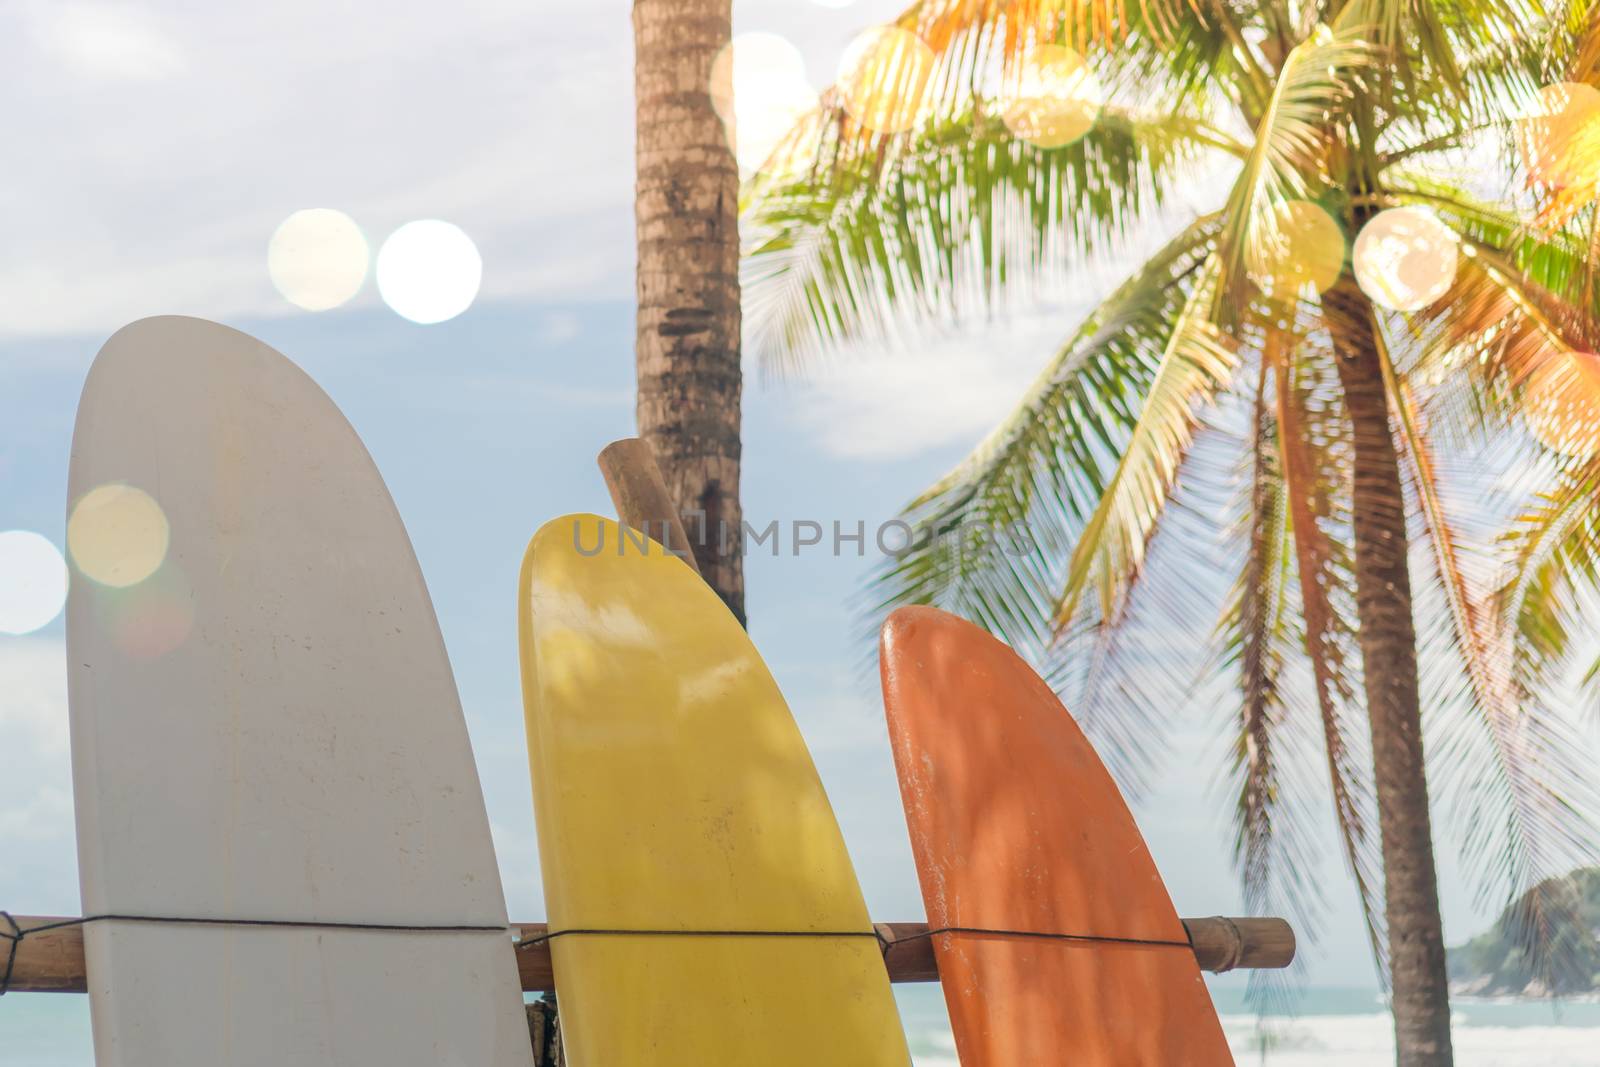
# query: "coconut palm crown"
1372, 520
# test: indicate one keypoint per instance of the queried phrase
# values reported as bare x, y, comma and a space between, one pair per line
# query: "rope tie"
884, 944
551, 935
15, 937
1037, 935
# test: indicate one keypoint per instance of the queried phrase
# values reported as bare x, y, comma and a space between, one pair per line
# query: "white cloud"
46, 816
559, 327
33, 710
39, 875
950, 391
955, 382
107, 41
164, 141
510, 119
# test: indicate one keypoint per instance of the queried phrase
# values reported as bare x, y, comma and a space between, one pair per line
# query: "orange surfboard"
1062, 943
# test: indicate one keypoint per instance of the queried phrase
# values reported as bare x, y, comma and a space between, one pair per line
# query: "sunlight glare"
1559, 138
429, 271
760, 91
1052, 98
884, 79
33, 582
117, 535
1307, 250
1561, 404
1405, 258
318, 258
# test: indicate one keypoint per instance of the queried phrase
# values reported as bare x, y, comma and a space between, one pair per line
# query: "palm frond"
1579, 33
1260, 637
1289, 160
945, 229
1440, 51
1474, 637
1198, 362
1251, 641
1506, 765
1041, 472
1312, 428
1554, 552
1511, 771
949, 26
1497, 75
972, 38
1478, 349
1551, 257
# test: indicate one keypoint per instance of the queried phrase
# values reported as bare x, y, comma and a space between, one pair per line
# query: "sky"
160, 146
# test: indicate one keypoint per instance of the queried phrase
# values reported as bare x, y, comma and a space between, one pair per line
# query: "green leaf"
938, 233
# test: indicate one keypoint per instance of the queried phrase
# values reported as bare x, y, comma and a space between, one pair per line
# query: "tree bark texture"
1388, 639
687, 210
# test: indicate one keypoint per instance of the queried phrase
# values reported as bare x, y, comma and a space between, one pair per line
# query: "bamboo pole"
52, 961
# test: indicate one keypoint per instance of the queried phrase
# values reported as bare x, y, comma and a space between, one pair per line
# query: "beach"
1341, 1028
1336, 1028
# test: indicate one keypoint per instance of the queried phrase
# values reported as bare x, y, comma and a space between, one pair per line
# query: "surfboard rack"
52, 961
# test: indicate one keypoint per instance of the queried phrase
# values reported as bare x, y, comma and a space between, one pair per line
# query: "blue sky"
163, 144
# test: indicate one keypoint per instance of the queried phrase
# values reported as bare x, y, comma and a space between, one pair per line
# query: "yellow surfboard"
703, 909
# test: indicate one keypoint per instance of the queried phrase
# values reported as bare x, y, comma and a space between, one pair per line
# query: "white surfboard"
266, 728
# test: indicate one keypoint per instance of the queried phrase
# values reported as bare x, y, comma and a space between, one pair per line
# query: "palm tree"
1244, 352
687, 347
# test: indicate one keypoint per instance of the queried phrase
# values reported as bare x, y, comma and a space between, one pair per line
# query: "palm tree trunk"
1421, 995
687, 211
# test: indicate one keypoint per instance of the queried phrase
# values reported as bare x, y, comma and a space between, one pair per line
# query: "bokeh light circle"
429, 271
1306, 250
1561, 404
1405, 258
885, 79
1052, 98
318, 258
1559, 137
33, 582
153, 618
117, 535
760, 91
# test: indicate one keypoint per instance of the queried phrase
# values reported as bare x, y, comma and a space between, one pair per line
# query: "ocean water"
45, 1030
1339, 1028
1335, 1028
